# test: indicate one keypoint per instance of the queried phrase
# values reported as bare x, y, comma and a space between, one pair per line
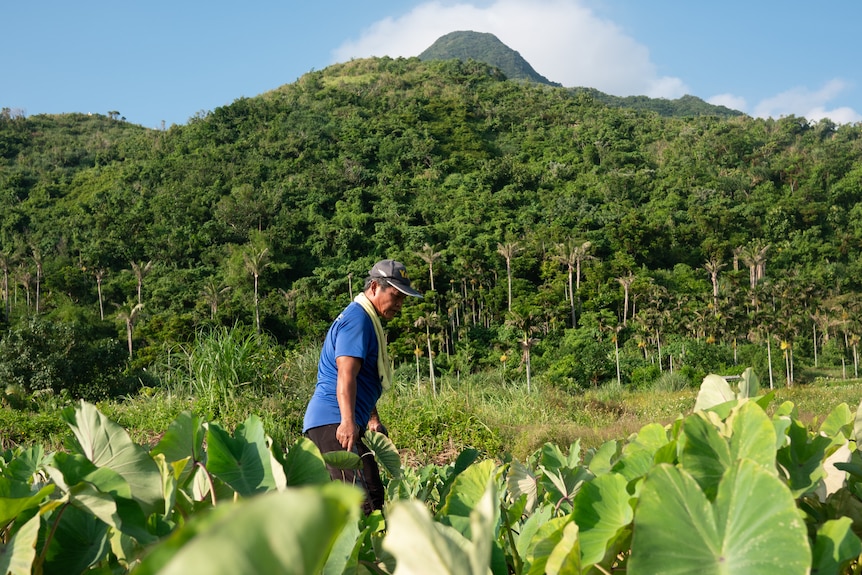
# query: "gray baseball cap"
395, 275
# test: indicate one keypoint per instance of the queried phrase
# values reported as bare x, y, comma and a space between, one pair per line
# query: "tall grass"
220, 365
226, 375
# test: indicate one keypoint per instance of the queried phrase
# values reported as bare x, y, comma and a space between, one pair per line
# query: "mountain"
487, 48
687, 106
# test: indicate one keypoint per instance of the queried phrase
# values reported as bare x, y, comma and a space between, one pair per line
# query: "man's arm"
347, 432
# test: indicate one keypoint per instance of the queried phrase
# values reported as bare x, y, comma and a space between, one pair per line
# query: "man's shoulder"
354, 314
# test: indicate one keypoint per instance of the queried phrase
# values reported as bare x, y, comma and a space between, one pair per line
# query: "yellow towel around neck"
384, 368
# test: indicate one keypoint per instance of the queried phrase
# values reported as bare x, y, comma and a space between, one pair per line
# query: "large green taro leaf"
802, 458
469, 491
521, 481
79, 540
554, 549
752, 435
16, 497
421, 545
835, 547
526, 534
304, 464
838, 425
753, 527
289, 532
106, 444
183, 439
24, 464
242, 461
384, 451
100, 491
707, 453
16, 557
714, 390
603, 513
638, 454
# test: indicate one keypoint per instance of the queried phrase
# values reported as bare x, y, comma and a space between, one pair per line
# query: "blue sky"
166, 61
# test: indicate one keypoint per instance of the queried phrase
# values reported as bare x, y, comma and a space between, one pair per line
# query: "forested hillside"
545, 227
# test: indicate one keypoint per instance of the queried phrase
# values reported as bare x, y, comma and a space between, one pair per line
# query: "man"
353, 371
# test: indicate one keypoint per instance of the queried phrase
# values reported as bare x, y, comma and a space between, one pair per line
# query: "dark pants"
368, 477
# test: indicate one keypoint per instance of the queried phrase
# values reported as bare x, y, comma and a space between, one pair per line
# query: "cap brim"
406, 290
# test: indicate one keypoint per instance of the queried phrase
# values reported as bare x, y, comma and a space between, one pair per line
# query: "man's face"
386, 300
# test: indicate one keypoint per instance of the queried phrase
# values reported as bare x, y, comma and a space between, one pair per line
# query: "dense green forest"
553, 235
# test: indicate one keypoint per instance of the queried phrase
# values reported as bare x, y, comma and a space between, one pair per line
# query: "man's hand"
375, 425
347, 434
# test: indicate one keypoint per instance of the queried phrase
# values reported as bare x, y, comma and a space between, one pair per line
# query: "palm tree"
626, 281
129, 315
712, 266
606, 322
429, 256
524, 324
37, 259
571, 253
737, 252
290, 297
508, 251
417, 351
212, 293
428, 321
141, 270
5, 264
753, 255
24, 278
100, 275
255, 262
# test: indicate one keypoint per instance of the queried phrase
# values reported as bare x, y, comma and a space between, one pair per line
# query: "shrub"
703, 358
580, 362
642, 377
45, 356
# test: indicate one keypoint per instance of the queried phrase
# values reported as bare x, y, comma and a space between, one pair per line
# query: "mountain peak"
487, 48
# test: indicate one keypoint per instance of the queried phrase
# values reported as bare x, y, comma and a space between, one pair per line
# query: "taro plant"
729, 488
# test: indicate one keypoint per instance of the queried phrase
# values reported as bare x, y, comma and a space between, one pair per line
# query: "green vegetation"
229, 375
585, 268
686, 106
726, 488
591, 246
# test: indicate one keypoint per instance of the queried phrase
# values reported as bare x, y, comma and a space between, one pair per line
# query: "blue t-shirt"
351, 334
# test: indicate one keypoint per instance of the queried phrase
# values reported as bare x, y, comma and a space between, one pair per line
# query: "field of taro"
738, 486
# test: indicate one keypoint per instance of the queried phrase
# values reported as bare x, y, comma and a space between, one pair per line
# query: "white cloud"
842, 115
801, 101
562, 39
729, 101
